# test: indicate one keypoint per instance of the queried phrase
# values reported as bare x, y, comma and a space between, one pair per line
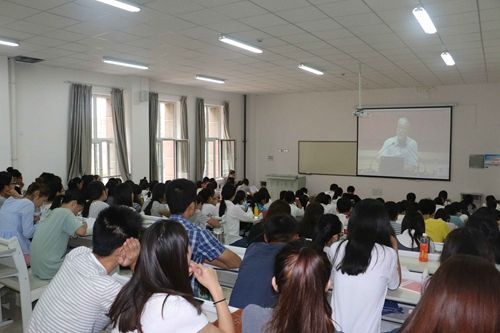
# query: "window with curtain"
218, 161
104, 160
171, 149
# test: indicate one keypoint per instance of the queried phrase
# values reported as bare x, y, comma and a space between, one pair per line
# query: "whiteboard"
328, 157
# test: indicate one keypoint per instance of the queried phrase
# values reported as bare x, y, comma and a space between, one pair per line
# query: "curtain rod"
93, 84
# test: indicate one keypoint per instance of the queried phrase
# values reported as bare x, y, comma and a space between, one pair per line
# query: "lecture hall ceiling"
179, 39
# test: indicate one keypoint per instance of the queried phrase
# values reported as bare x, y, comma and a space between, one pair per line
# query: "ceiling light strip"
239, 44
310, 69
447, 58
210, 79
124, 63
122, 5
424, 20
8, 42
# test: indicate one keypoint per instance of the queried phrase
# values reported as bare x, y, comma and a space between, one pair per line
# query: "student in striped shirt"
79, 296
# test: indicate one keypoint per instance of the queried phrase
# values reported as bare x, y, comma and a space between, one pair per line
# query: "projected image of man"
401, 146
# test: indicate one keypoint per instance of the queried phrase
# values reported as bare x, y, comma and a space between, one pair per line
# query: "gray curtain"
153, 129
118, 114
227, 147
200, 139
183, 147
80, 130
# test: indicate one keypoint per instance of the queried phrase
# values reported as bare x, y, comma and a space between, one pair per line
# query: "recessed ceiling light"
424, 20
210, 79
447, 58
311, 69
239, 44
8, 42
124, 63
122, 5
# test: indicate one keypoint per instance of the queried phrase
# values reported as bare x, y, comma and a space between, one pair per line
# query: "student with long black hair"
96, 195
233, 214
327, 231
50, 241
412, 229
158, 297
301, 279
364, 267
157, 206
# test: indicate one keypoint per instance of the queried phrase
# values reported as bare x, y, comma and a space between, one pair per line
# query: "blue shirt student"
16, 220
253, 285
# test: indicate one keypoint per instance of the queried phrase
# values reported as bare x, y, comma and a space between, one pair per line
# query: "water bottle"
424, 248
256, 211
219, 234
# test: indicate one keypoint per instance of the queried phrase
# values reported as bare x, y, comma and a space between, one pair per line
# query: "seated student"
295, 205
444, 197
79, 296
301, 279
17, 179
52, 234
411, 197
111, 185
437, 230
201, 219
412, 229
328, 231
486, 222
158, 297
468, 241
312, 214
244, 186
453, 209
262, 199
462, 296
331, 192
439, 203
256, 233
253, 285
468, 206
351, 196
17, 216
55, 186
208, 210
326, 201
75, 184
181, 198
7, 187
364, 267
157, 206
96, 195
240, 199
344, 207
232, 214
393, 212
124, 196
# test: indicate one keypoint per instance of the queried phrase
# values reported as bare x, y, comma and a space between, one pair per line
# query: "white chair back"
15, 275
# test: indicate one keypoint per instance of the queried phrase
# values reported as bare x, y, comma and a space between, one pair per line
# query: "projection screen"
411, 142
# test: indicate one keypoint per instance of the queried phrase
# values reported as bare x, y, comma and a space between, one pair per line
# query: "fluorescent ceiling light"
310, 69
8, 42
425, 20
210, 79
124, 63
241, 45
121, 5
447, 58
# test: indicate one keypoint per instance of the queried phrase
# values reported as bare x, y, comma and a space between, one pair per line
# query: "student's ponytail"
228, 192
70, 195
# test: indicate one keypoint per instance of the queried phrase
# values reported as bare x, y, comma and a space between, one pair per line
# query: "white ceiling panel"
179, 38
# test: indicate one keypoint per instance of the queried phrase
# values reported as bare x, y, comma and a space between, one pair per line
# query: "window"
103, 160
173, 153
219, 149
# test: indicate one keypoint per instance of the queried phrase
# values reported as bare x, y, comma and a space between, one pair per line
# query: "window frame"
175, 139
97, 157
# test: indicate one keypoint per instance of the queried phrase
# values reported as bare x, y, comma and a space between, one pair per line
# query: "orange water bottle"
256, 211
424, 248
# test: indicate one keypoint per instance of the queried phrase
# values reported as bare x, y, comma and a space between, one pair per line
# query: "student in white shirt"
233, 214
392, 211
158, 297
344, 207
364, 267
295, 205
209, 202
157, 206
326, 201
328, 231
96, 196
79, 296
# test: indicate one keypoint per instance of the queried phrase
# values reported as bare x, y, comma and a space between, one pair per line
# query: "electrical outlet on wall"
270, 157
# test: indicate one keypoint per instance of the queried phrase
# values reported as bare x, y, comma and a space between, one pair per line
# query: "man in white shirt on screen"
401, 145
